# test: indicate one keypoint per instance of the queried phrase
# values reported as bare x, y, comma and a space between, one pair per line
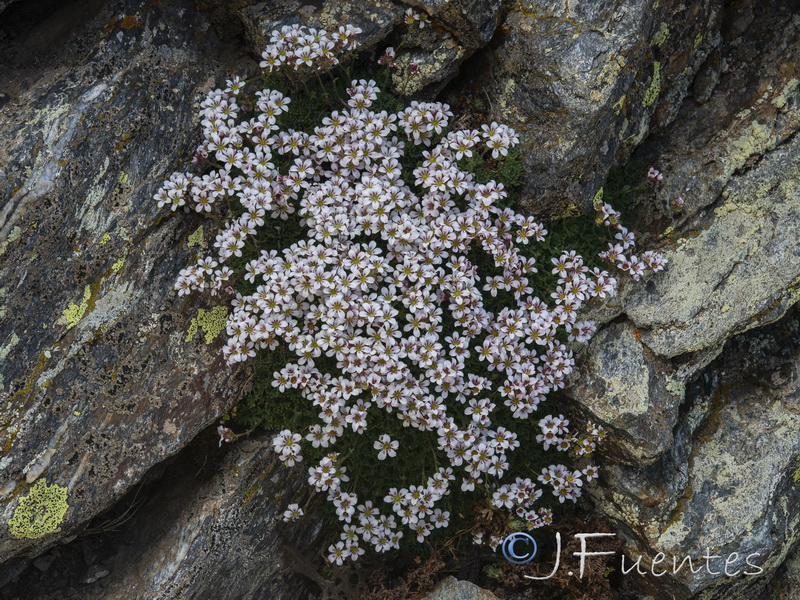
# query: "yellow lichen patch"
698, 40
620, 104
651, 95
75, 312
196, 238
105, 239
782, 100
212, 322
597, 201
571, 210
753, 141
117, 266
40, 512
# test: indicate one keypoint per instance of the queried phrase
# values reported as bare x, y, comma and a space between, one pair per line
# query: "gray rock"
205, 523
632, 392
5, 3
44, 562
471, 22
99, 381
734, 257
456, 30
725, 476
580, 82
737, 267
436, 55
787, 583
219, 535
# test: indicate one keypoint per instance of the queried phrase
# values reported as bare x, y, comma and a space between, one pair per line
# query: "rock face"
582, 81
728, 481
99, 381
105, 374
713, 454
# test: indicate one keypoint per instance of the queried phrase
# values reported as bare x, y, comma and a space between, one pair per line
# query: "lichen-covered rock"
98, 378
728, 482
430, 56
735, 163
453, 589
721, 475
428, 60
580, 82
206, 523
736, 266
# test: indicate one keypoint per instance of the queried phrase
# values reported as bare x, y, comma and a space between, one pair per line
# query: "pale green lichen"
782, 101
40, 512
651, 95
75, 312
661, 35
6, 348
15, 234
698, 40
196, 238
620, 104
105, 239
212, 322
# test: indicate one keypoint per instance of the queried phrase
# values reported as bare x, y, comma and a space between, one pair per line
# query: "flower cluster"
616, 253
654, 173
412, 17
382, 286
301, 47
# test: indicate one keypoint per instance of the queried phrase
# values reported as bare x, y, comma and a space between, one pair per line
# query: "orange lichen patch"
129, 21
637, 335
109, 25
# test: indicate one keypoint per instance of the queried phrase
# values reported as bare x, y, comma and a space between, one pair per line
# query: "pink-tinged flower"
225, 434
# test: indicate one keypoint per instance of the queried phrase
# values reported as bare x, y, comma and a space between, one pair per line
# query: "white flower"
292, 513
387, 447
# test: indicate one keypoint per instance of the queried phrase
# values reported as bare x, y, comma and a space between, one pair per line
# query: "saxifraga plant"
387, 295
